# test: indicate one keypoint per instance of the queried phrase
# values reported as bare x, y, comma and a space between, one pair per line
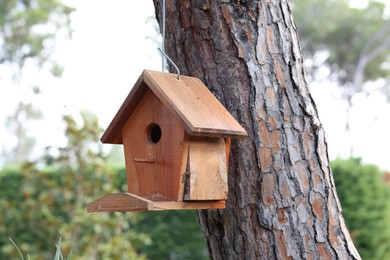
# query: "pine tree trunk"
282, 200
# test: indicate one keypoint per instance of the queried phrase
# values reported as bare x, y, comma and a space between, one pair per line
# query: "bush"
365, 199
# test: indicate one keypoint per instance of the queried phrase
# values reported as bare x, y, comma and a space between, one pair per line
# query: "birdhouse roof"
187, 98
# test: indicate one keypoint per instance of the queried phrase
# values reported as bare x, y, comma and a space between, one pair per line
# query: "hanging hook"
171, 61
162, 50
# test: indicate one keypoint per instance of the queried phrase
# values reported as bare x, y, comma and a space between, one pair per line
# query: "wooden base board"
121, 202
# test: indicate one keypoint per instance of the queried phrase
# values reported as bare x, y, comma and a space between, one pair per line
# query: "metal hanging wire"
162, 50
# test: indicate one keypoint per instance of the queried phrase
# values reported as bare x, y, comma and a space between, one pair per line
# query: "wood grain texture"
172, 205
153, 169
193, 104
207, 169
122, 202
119, 202
183, 167
228, 142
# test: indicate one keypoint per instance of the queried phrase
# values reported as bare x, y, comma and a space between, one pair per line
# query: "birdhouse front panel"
206, 174
153, 141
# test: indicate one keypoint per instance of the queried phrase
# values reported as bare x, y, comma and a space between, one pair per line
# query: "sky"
110, 47
113, 43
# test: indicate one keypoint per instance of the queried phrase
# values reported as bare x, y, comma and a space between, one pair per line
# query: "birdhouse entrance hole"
154, 133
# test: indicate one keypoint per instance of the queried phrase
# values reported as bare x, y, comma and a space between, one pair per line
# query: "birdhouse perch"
176, 138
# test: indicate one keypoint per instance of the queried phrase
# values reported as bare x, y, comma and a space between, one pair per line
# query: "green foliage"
365, 201
346, 34
42, 201
173, 234
28, 29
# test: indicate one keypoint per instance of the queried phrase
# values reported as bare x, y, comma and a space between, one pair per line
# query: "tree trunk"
282, 200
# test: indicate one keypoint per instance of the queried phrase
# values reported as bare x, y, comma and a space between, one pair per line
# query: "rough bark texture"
282, 201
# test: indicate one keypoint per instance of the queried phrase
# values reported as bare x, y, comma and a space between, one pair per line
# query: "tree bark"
282, 201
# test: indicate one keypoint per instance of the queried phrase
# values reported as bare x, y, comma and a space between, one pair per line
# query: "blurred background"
66, 67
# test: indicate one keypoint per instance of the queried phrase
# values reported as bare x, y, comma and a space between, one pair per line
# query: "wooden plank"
207, 169
143, 160
183, 166
122, 202
193, 103
173, 205
228, 142
153, 169
119, 202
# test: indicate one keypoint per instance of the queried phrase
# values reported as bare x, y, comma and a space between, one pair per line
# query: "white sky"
109, 50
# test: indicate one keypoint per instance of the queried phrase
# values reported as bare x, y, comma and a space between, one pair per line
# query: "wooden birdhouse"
176, 138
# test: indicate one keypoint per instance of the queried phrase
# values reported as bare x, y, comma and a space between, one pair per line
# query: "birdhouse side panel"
206, 176
153, 144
